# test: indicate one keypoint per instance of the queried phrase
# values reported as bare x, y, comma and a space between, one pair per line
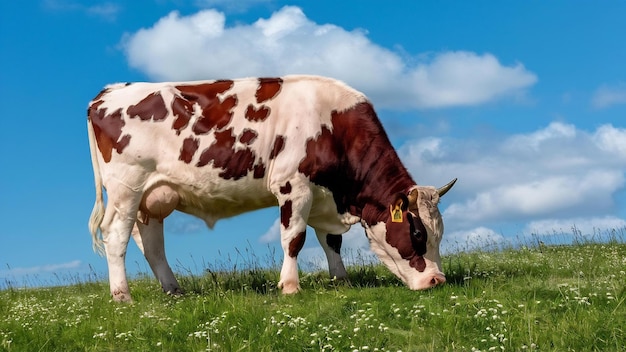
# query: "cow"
214, 149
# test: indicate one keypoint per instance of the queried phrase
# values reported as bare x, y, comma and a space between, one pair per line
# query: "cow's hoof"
289, 287
123, 297
177, 291
339, 278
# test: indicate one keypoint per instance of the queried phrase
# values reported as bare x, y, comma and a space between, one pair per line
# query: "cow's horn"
443, 190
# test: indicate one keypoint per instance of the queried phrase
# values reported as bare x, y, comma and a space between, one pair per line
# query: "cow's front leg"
149, 239
332, 248
294, 200
289, 281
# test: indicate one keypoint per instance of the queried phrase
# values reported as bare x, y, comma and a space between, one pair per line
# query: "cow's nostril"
437, 280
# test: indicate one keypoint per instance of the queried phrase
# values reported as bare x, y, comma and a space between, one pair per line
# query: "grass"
544, 298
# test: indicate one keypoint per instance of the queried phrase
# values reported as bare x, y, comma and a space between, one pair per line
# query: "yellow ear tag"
396, 213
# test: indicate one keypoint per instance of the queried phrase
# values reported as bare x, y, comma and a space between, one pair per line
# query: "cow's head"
407, 242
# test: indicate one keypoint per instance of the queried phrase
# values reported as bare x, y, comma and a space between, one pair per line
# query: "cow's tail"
97, 214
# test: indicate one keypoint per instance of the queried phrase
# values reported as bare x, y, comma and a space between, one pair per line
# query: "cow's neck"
377, 170
386, 178
371, 201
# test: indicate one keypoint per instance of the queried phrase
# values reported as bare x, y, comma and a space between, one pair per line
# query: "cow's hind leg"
119, 218
157, 203
150, 240
332, 248
294, 199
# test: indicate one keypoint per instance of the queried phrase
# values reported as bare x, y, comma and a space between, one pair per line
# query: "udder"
158, 202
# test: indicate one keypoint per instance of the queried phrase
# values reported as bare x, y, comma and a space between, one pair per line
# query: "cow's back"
221, 144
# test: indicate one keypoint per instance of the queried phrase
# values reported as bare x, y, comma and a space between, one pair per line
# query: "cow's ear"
412, 197
398, 206
401, 200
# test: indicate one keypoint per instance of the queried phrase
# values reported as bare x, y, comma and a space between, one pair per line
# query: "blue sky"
523, 101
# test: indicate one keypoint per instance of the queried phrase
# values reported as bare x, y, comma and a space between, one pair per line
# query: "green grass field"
544, 298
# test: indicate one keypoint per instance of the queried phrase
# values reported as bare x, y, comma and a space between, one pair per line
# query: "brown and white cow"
215, 149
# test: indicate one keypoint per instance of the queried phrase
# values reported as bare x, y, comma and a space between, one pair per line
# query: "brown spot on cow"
279, 144
334, 242
206, 91
216, 112
259, 170
97, 100
418, 263
286, 189
411, 247
189, 148
108, 130
235, 163
296, 244
221, 148
182, 110
285, 213
257, 115
215, 116
355, 161
151, 107
268, 89
248, 136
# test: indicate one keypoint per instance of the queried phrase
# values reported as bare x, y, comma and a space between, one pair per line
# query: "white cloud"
465, 78
229, 5
49, 268
554, 132
106, 10
611, 139
471, 239
556, 172
272, 234
552, 231
607, 96
541, 195
586, 226
200, 46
